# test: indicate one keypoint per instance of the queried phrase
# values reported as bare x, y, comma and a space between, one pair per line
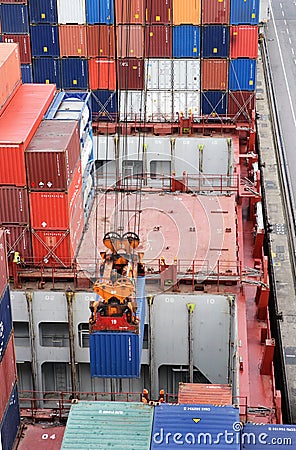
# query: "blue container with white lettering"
45, 40
260, 437
27, 73
186, 41
74, 73
11, 422
196, 426
104, 105
244, 12
214, 103
43, 11
47, 70
215, 41
5, 321
100, 11
242, 74
14, 18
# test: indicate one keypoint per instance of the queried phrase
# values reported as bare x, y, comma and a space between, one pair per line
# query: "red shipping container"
100, 41
18, 124
158, 41
53, 155
130, 73
3, 262
205, 394
8, 375
10, 71
130, 41
72, 40
159, 11
54, 210
14, 205
18, 239
214, 74
24, 45
58, 247
101, 74
240, 105
244, 41
215, 11
129, 11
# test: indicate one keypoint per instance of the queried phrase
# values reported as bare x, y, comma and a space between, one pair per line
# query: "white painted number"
114, 321
46, 436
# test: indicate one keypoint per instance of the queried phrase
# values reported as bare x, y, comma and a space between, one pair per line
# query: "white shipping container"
186, 103
71, 11
131, 105
159, 106
186, 74
158, 74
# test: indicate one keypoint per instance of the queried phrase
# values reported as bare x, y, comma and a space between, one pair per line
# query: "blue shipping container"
260, 437
196, 426
5, 321
214, 103
104, 106
215, 42
74, 73
27, 73
242, 75
244, 12
43, 11
186, 41
47, 70
14, 18
11, 421
45, 40
99, 11
118, 355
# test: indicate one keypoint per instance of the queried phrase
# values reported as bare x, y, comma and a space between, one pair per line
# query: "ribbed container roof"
211, 394
109, 425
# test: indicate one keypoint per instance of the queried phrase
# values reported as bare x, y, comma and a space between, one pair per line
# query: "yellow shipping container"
186, 12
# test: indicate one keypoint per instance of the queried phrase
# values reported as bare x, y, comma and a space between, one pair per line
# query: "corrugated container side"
195, 425
14, 19
130, 41
244, 12
102, 74
159, 12
14, 205
132, 105
240, 105
43, 11
242, 75
3, 262
130, 73
159, 106
186, 74
47, 70
8, 375
27, 73
214, 74
10, 71
19, 240
186, 103
215, 41
71, 11
104, 105
158, 41
11, 421
24, 45
45, 40
74, 73
15, 1
52, 155
243, 41
5, 322
215, 11
130, 12
186, 41
158, 73
72, 40
100, 12
100, 41
214, 103
260, 436
210, 394
186, 11
118, 355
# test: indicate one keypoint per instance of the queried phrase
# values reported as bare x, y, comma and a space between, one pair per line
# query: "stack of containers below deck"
243, 55
55, 192
9, 403
77, 106
14, 26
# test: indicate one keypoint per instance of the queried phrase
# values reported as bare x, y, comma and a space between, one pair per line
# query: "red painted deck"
41, 436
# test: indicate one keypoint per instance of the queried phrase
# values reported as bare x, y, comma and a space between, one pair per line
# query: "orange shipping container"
186, 12
72, 40
100, 41
244, 41
102, 75
214, 74
205, 394
10, 71
130, 41
129, 11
